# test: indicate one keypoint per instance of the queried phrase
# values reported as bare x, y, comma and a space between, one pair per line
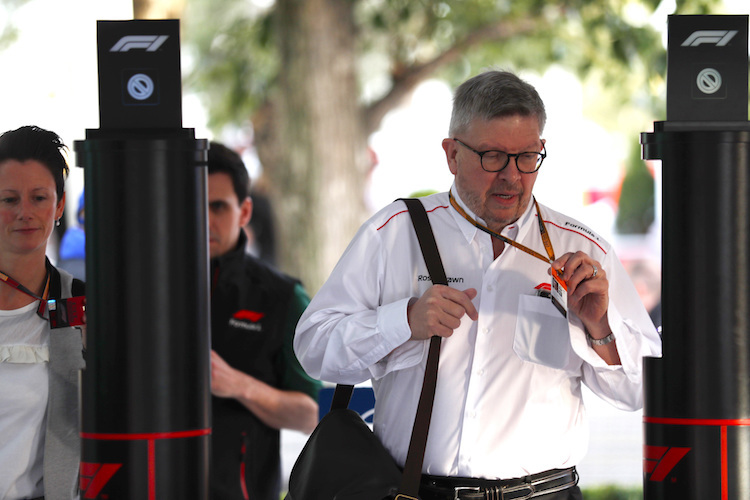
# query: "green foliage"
635, 213
8, 31
612, 493
236, 61
422, 193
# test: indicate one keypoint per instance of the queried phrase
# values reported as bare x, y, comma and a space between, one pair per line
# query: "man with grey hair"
508, 414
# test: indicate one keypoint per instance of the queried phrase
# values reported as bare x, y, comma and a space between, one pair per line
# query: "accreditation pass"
559, 293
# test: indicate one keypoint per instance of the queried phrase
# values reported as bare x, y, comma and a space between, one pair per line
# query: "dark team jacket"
252, 310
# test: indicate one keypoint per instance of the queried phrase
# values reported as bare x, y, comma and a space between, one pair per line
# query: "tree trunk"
158, 9
317, 188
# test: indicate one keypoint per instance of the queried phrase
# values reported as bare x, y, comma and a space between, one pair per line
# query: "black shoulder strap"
426, 240
341, 396
409, 487
410, 480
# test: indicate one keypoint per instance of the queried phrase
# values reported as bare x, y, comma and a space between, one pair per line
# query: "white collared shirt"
508, 400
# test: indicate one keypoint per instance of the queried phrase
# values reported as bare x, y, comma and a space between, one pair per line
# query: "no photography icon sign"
708, 81
140, 87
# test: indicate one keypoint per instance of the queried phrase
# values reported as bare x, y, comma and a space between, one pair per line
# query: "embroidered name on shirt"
424, 277
582, 229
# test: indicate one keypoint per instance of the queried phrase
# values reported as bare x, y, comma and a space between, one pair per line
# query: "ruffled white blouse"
24, 357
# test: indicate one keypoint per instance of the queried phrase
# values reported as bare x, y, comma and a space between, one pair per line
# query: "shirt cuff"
629, 342
628, 345
393, 325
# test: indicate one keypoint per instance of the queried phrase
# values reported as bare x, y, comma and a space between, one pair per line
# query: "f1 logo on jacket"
247, 320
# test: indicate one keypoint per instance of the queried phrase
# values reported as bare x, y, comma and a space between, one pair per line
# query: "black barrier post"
697, 401
146, 387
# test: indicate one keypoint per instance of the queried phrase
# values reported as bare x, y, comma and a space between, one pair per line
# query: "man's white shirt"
508, 400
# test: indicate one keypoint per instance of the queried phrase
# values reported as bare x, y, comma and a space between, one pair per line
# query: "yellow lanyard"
533, 253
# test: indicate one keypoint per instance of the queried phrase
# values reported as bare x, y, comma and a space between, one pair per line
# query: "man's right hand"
439, 311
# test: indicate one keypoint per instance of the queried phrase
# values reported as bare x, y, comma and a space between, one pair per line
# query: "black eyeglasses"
527, 162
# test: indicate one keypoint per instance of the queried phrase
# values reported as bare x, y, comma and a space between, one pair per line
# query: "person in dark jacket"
257, 383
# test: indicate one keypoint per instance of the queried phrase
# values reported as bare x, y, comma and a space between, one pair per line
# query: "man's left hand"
588, 289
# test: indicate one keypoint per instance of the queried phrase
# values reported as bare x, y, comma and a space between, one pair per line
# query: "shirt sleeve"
294, 377
636, 337
352, 332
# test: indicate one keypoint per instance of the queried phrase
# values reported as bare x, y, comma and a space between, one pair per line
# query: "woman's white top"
24, 388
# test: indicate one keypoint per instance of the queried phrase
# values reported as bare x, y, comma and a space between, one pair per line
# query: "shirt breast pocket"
541, 334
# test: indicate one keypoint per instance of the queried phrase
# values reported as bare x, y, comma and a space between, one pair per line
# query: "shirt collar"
513, 231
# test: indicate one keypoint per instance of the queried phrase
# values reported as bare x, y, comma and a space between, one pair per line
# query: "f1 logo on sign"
140, 86
659, 461
150, 43
140, 83
93, 478
716, 37
707, 68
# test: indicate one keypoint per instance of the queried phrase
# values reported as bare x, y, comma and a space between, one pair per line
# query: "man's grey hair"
494, 94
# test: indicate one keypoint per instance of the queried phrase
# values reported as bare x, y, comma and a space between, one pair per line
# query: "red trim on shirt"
405, 211
546, 222
576, 232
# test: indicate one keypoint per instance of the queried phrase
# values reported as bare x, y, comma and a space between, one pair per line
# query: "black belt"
465, 488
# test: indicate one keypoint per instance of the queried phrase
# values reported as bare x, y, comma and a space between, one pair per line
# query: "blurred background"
339, 106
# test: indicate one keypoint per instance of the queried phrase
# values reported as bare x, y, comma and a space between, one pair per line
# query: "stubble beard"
494, 222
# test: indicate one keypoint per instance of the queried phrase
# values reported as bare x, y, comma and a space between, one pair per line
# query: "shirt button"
485, 330
490, 288
480, 372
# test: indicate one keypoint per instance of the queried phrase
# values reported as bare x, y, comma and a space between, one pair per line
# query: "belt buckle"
517, 488
457, 489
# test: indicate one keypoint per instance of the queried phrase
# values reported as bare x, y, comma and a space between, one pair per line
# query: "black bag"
343, 459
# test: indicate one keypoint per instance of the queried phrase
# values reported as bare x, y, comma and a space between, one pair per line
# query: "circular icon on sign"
140, 86
708, 81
